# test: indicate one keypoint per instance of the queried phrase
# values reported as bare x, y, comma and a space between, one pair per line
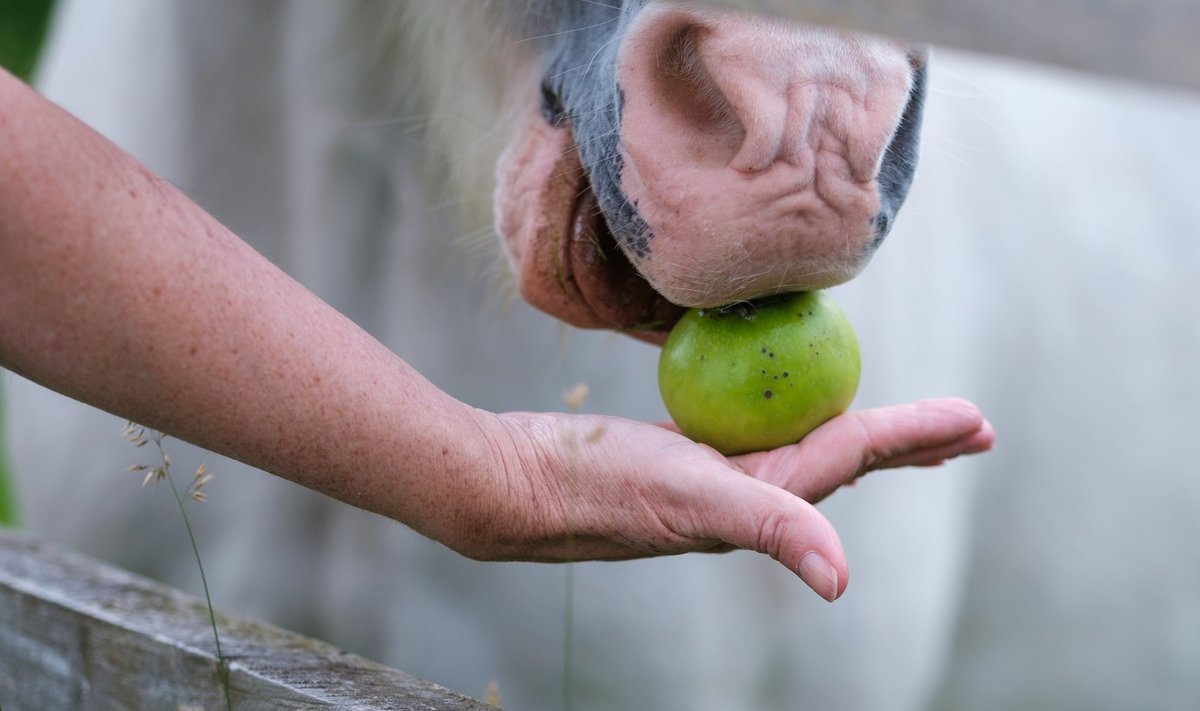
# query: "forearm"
117, 290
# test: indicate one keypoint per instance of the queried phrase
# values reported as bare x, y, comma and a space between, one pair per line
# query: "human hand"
582, 487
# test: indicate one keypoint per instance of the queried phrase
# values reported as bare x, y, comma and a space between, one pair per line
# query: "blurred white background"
1045, 267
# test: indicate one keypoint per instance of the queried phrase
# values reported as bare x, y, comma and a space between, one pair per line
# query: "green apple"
758, 375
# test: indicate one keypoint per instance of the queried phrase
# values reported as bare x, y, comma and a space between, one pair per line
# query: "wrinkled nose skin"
732, 157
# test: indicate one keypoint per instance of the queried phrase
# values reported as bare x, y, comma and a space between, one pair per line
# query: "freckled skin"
129, 297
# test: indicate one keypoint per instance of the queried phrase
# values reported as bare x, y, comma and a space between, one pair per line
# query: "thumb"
761, 517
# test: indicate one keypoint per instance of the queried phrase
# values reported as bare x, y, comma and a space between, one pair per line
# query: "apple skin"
759, 375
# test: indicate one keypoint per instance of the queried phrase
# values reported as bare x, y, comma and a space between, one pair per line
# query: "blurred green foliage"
23, 25
8, 501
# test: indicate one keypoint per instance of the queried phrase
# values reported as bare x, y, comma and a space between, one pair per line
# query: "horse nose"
745, 92
752, 150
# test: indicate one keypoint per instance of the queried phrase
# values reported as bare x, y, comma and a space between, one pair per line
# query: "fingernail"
820, 575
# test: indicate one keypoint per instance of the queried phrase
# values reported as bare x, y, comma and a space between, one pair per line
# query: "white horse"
1044, 266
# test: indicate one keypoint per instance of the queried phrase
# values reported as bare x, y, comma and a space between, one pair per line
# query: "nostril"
679, 58
684, 87
729, 109
700, 97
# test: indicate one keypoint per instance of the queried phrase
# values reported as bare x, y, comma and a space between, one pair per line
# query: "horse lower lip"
607, 281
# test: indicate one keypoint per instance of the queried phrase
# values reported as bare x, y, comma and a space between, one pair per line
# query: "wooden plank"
1153, 41
78, 634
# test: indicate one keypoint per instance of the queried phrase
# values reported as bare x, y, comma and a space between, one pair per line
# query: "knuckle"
772, 532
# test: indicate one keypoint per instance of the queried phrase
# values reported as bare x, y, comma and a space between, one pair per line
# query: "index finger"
923, 433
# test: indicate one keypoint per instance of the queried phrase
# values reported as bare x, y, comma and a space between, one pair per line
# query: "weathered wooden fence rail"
79, 634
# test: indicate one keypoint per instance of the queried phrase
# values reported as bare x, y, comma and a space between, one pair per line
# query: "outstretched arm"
117, 290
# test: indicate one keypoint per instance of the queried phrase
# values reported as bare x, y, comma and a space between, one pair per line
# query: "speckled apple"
759, 375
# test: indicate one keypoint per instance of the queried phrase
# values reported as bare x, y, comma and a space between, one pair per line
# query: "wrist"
513, 501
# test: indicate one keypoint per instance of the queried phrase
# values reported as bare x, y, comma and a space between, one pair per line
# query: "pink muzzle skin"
751, 148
